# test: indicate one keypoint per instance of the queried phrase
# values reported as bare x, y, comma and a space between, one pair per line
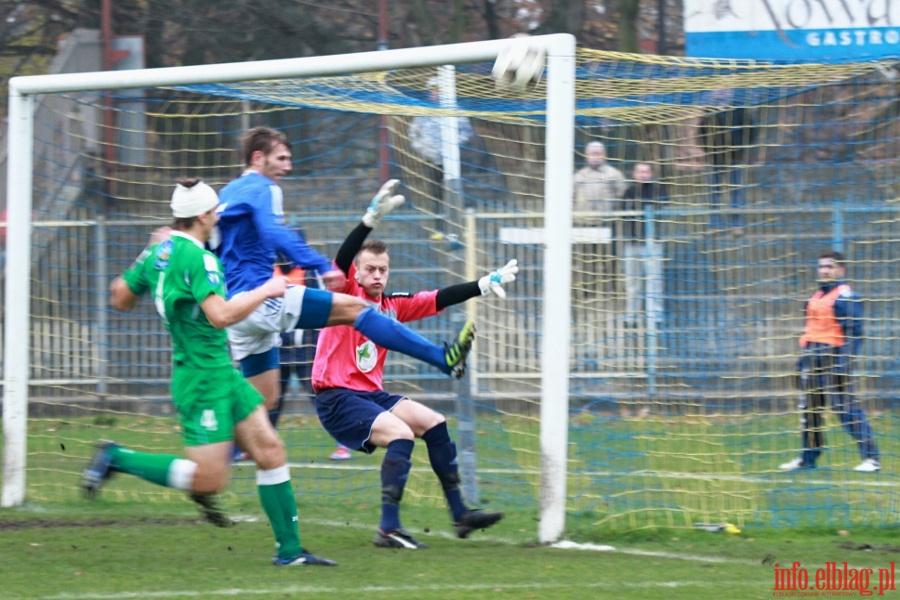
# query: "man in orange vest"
831, 338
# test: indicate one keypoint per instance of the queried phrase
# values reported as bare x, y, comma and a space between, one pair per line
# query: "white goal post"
558, 186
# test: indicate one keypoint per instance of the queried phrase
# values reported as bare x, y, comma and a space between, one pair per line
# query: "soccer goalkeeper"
358, 413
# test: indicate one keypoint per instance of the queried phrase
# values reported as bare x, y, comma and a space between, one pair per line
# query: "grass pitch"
109, 549
143, 541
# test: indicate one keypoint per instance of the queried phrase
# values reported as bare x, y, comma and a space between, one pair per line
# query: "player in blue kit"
252, 231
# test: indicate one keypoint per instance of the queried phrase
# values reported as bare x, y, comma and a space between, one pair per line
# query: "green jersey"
181, 274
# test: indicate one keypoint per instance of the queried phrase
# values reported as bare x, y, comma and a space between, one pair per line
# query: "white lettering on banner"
859, 37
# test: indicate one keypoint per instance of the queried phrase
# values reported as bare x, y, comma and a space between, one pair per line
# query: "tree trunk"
565, 16
628, 25
491, 19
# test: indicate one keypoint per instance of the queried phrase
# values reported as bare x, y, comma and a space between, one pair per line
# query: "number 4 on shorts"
208, 420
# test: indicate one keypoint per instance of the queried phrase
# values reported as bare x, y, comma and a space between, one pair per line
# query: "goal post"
18, 287
557, 293
559, 126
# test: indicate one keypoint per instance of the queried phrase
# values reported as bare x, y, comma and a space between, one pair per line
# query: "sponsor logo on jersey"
163, 254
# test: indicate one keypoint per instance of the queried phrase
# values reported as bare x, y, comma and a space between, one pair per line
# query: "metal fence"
732, 306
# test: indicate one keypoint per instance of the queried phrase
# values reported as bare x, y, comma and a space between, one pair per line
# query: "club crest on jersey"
163, 254
366, 356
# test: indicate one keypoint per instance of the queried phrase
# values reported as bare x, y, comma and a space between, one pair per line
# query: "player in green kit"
217, 406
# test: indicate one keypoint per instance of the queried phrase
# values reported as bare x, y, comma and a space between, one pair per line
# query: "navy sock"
810, 456
393, 335
442, 455
275, 414
394, 473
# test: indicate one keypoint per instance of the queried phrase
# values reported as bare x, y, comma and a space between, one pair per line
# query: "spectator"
598, 184
598, 188
641, 253
426, 137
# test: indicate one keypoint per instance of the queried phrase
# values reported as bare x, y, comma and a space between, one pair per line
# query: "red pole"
106, 30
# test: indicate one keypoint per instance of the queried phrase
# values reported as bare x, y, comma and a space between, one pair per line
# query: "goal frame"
558, 188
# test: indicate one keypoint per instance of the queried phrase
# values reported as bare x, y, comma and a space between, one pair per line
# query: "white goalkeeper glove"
493, 281
384, 202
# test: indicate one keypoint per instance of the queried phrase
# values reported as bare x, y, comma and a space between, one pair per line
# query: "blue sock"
442, 454
394, 473
393, 335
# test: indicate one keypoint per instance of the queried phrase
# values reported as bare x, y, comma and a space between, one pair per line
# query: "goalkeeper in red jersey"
358, 413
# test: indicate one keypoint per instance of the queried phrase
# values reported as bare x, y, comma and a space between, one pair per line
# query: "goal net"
641, 371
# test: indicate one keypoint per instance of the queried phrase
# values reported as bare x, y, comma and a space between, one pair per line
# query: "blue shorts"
349, 415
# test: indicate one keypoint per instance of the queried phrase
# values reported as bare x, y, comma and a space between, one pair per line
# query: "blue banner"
793, 30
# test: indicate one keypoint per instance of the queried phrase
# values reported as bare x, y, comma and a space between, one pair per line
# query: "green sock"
277, 498
162, 469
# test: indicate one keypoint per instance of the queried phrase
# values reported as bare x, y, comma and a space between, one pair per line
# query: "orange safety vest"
822, 325
296, 276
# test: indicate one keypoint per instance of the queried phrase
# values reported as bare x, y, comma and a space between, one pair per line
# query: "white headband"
193, 201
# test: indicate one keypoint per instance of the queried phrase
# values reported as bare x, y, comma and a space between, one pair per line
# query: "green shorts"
211, 402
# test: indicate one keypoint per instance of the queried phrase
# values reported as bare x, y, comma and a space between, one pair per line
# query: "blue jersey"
252, 231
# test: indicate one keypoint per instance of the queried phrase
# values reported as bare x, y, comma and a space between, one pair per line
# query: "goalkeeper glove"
384, 202
493, 281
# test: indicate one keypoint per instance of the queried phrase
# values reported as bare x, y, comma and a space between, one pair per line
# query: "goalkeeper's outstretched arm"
456, 294
492, 282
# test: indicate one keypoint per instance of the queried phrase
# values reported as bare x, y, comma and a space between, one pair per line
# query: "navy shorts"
348, 415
